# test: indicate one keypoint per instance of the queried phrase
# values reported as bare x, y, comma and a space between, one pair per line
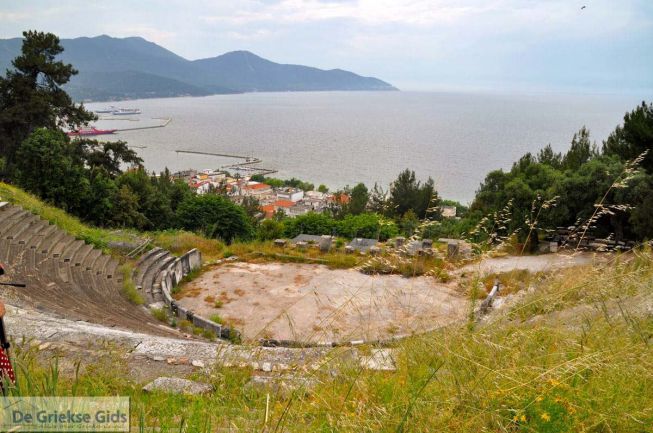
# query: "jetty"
165, 123
245, 166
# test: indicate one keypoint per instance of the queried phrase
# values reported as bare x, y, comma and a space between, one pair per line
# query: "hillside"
122, 68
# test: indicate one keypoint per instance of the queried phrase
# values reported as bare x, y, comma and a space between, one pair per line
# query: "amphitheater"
74, 298
74, 294
69, 278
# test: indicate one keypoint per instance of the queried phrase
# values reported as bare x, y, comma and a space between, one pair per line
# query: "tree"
108, 156
323, 188
311, 223
549, 157
378, 201
48, 165
580, 152
270, 229
407, 193
125, 209
215, 216
31, 96
358, 201
633, 138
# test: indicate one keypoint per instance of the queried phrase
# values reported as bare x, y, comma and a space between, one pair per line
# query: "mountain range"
127, 68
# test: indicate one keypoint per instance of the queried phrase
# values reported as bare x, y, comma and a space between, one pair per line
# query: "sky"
457, 45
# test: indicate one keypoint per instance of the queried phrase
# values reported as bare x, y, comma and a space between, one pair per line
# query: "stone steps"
154, 272
67, 277
146, 265
19, 244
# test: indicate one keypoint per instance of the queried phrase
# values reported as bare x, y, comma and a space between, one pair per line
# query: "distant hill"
127, 68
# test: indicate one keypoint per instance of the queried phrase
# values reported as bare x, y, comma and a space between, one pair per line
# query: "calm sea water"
340, 138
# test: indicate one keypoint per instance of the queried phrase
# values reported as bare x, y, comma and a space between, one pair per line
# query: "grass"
128, 287
178, 242
160, 314
572, 356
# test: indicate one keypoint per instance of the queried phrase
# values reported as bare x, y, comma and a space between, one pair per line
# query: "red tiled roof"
283, 203
257, 186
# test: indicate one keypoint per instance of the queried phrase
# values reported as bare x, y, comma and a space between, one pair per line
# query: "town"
290, 201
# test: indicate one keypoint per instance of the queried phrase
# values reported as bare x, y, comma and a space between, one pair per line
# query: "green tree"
323, 188
407, 193
215, 216
580, 152
126, 209
270, 229
48, 165
31, 96
633, 138
366, 225
109, 156
312, 223
359, 196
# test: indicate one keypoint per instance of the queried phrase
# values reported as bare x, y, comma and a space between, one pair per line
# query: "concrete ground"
311, 303
539, 263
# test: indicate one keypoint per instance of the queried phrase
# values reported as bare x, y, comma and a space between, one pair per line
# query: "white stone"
197, 363
176, 385
379, 360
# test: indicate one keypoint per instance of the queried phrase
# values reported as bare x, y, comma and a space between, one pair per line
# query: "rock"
285, 385
44, 346
379, 360
267, 367
176, 385
197, 363
178, 361
158, 358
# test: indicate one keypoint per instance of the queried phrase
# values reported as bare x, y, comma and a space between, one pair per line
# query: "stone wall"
171, 277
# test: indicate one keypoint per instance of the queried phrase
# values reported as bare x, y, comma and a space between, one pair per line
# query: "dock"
245, 166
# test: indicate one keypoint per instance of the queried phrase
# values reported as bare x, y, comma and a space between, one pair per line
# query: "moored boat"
125, 111
83, 132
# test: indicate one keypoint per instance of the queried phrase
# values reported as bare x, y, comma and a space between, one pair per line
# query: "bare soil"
311, 303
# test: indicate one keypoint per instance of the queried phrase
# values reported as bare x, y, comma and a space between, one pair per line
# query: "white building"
292, 194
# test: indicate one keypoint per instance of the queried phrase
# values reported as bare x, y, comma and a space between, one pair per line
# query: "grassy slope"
574, 355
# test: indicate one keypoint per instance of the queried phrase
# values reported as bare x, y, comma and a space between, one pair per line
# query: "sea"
342, 138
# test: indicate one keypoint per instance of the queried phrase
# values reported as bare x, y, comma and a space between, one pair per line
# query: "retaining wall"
171, 276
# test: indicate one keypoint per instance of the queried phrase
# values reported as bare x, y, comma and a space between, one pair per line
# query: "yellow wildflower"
545, 417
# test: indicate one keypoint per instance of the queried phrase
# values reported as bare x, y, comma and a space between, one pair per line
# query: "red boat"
91, 131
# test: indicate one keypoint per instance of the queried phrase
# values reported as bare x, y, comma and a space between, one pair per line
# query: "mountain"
127, 68
247, 72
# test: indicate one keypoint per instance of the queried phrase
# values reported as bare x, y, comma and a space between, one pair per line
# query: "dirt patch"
313, 303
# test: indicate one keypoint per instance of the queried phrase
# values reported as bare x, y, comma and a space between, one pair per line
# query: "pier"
245, 166
166, 120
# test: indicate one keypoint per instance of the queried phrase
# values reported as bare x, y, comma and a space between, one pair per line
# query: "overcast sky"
414, 44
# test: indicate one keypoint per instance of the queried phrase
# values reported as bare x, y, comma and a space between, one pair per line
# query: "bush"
160, 314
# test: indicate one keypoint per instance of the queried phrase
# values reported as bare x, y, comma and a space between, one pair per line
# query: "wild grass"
128, 287
524, 371
179, 242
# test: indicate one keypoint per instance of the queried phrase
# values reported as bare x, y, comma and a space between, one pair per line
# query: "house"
270, 209
255, 189
201, 187
292, 194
